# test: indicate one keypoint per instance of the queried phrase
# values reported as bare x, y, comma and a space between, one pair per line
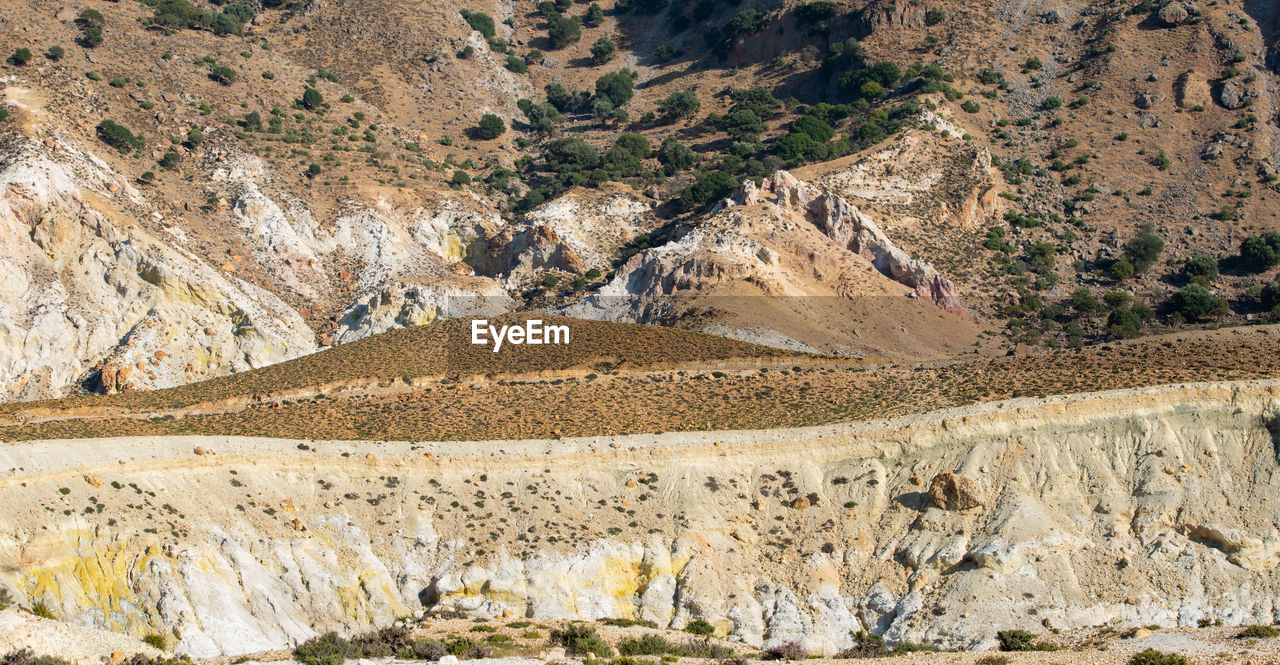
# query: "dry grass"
620, 401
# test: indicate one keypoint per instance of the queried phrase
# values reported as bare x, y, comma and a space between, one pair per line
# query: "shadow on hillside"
691, 48
1267, 15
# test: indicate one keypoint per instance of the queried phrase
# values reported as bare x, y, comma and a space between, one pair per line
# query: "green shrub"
91, 37
1261, 251
700, 627
1270, 295
1259, 632
934, 16
26, 657
312, 99
1195, 302
594, 15
571, 154
675, 156
328, 649
710, 187
154, 640
816, 12
1020, 640
461, 177
865, 645
1082, 300
1124, 323
748, 22
490, 127
20, 56
563, 30
41, 610
617, 87
1201, 269
1153, 657
647, 645
1121, 270
579, 638
743, 124
517, 64
679, 105
480, 22
1143, 249
118, 136
603, 50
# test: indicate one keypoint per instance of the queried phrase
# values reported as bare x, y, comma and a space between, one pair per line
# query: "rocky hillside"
191, 190
1127, 508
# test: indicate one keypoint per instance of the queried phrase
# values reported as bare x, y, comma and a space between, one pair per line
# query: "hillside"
1050, 171
1077, 519
616, 379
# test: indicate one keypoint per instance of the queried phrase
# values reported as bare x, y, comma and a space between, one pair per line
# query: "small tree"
1201, 269
1196, 302
490, 127
595, 15
56, 52
20, 56
311, 99
617, 87
461, 177
1143, 249
563, 30
1123, 323
675, 156
603, 50
679, 105
1270, 295
1261, 251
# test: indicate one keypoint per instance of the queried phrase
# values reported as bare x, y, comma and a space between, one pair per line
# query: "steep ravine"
1158, 505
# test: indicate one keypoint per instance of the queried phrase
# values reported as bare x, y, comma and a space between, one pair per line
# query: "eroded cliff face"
77, 288
1137, 507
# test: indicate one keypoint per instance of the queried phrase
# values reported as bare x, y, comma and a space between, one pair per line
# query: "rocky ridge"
1125, 508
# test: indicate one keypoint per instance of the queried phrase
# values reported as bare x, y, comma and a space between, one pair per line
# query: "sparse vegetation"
1258, 632
581, 639
1153, 657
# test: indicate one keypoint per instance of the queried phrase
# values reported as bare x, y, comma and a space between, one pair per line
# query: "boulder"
1173, 14
1232, 94
950, 491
